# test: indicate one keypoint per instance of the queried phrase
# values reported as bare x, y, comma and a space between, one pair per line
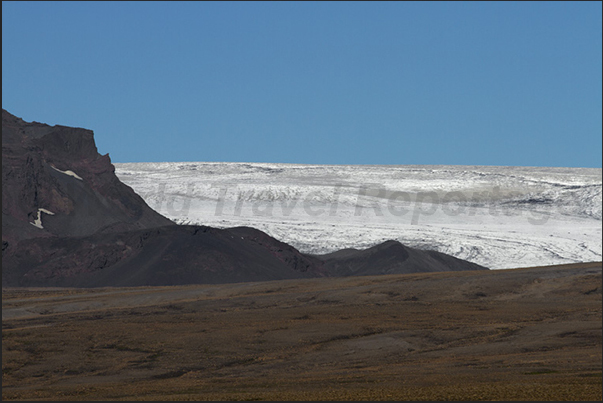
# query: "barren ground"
522, 334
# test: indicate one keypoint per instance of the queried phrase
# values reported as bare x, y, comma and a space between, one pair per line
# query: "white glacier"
500, 217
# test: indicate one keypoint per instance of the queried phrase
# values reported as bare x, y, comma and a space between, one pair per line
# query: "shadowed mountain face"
58, 169
169, 255
391, 257
67, 220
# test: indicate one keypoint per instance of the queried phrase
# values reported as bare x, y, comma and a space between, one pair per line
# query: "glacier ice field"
496, 216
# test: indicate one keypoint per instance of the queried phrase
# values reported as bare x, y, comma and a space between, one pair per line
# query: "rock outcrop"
391, 257
55, 183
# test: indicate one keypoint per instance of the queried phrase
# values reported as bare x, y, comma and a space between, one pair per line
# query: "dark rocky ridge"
103, 234
33, 154
391, 257
168, 255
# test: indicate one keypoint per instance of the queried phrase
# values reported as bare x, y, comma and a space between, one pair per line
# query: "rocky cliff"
54, 182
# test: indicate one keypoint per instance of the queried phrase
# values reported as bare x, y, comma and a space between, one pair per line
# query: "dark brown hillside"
391, 257
169, 255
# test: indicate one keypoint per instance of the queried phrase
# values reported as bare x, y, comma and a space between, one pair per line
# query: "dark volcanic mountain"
58, 169
67, 220
169, 255
391, 257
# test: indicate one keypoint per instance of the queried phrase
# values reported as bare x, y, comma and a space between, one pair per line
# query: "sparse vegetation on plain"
524, 334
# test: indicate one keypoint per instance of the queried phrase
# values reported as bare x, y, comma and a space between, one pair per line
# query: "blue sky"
318, 83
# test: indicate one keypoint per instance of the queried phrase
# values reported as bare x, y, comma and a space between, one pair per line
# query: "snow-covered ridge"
500, 217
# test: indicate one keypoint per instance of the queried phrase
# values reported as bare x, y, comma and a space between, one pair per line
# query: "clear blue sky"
319, 83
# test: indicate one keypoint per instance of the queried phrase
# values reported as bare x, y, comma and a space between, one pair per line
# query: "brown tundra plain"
522, 334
